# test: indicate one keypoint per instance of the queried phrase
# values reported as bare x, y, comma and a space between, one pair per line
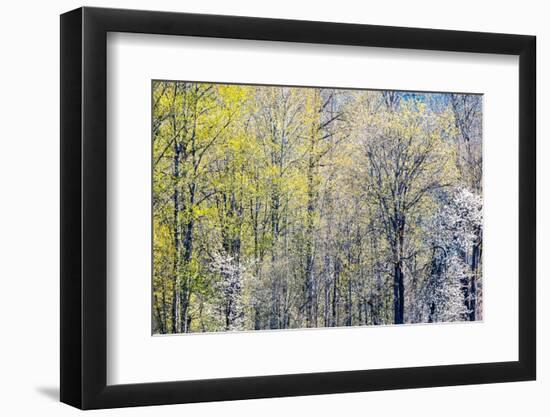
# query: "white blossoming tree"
231, 274
450, 290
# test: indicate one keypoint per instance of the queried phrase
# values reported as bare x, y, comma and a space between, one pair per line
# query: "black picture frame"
84, 207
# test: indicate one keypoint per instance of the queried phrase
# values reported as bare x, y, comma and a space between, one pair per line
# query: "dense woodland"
284, 207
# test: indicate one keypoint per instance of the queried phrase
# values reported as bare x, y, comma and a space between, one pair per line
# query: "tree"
453, 230
190, 119
405, 161
290, 207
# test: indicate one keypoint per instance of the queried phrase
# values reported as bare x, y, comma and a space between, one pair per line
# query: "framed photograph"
256, 208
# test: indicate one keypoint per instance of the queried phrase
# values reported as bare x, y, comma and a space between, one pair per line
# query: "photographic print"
283, 207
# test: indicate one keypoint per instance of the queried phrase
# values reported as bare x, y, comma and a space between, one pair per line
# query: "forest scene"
279, 207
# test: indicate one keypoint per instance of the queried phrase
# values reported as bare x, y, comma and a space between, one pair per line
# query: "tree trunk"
176, 232
398, 277
274, 318
476, 254
335, 293
309, 245
349, 321
186, 290
398, 293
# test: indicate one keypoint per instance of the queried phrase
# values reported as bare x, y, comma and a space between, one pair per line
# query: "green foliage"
278, 207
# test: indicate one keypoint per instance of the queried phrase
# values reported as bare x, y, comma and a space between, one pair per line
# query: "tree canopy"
286, 207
